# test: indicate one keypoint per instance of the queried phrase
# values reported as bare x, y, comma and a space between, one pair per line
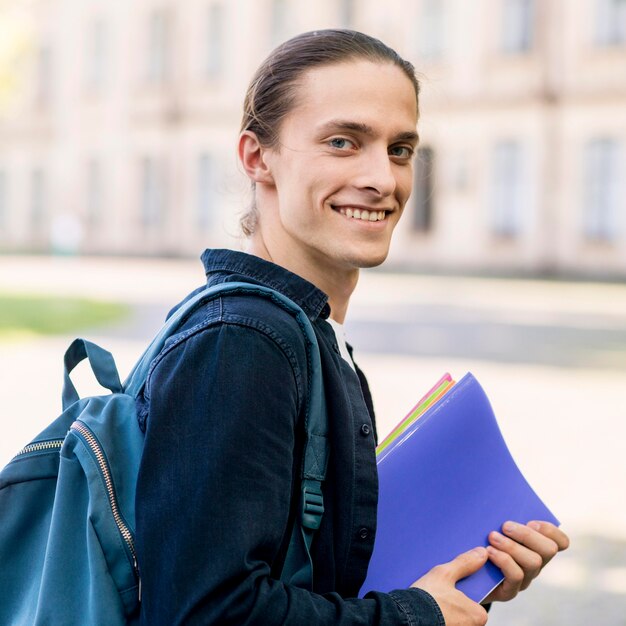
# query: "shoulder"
259, 311
238, 342
248, 333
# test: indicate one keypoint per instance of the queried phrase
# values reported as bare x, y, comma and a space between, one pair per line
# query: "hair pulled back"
273, 90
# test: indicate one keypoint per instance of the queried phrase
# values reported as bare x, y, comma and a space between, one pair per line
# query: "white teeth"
363, 214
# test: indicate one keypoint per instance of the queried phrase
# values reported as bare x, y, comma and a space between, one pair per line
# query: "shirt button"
365, 430
364, 533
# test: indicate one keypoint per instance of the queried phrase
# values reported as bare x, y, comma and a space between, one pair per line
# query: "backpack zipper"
38, 446
95, 447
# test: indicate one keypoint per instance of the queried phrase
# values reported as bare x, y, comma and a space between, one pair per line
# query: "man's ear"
252, 157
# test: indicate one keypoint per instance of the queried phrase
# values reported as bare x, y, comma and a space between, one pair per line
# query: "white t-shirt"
341, 341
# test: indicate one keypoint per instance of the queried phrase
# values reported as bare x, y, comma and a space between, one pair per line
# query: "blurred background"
118, 124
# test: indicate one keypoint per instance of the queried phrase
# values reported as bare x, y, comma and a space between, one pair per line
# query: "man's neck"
337, 285
339, 290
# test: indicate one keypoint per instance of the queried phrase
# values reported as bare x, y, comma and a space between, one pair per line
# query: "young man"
328, 138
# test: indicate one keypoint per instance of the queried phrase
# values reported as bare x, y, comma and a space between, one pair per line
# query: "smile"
363, 214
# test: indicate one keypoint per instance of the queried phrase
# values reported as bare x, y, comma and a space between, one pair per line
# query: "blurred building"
118, 134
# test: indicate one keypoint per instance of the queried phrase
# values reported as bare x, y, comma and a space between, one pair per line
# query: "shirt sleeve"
215, 489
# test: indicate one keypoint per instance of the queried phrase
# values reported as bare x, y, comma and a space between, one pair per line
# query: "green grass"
46, 315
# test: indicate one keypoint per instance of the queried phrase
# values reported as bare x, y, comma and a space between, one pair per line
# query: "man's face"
343, 170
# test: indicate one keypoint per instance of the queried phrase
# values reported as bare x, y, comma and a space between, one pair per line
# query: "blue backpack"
67, 500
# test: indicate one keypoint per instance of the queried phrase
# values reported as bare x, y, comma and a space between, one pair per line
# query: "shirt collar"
237, 265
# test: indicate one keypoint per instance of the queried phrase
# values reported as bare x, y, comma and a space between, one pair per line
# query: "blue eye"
341, 143
402, 152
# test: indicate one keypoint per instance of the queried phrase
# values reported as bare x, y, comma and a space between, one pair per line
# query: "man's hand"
521, 552
439, 582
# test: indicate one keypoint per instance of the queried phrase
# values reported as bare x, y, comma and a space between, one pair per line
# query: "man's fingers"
521, 551
527, 536
464, 564
530, 561
440, 581
552, 532
513, 575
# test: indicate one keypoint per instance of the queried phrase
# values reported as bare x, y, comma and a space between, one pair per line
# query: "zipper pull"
136, 567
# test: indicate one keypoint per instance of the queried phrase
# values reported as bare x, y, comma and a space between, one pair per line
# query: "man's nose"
377, 173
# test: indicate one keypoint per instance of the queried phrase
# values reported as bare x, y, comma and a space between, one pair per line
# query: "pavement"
551, 355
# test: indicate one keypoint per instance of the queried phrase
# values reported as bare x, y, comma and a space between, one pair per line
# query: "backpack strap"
101, 362
298, 566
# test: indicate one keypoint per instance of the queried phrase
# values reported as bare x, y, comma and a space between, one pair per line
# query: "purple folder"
445, 484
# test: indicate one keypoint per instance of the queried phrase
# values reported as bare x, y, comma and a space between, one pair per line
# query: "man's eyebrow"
411, 136
335, 125
365, 129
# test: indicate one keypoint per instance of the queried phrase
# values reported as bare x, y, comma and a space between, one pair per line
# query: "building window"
280, 21
423, 190
610, 22
37, 200
205, 214
346, 13
96, 54
4, 199
517, 25
507, 189
158, 46
95, 189
153, 193
431, 29
215, 40
44, 79
602, 189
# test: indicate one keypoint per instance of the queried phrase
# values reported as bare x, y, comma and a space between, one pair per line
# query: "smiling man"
328, 138
332, 189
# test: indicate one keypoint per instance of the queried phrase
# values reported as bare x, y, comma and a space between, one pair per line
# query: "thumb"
466, 563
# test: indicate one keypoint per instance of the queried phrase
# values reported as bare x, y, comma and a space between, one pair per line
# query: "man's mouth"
362, 214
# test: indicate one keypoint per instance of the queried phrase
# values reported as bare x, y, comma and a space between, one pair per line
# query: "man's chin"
371, 261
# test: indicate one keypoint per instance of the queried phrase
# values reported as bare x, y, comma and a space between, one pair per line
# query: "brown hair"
272, 91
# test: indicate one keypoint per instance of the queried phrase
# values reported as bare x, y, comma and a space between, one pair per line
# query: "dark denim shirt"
216, 497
